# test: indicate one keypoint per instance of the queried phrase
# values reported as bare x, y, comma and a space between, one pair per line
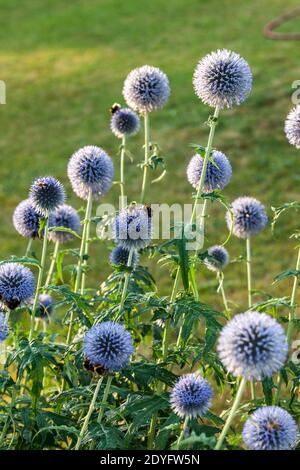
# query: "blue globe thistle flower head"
146, 89
16, 284
218, 171
4, 330
108, 345
64, 216
252, 345
249, 217
218, 258
26, 219
133, 227
119, 256
90, 168
124, 122
222, 78
46, 194
45, 306
191, 396
292, 127
270, 428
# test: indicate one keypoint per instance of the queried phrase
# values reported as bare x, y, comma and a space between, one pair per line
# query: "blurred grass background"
64, 64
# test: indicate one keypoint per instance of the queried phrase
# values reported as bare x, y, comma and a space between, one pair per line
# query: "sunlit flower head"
249, 217
133, 227
191, 396
124, 122
218, 171
64, 216
16, 284
46, 194
26, 219
218, 258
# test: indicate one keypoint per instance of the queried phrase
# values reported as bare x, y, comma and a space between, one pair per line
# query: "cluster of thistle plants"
122, 367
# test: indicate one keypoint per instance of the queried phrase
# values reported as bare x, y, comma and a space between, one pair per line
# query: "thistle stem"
40, 278
220, 278
147, 144
28, 248
122, 177
181, 435
87, 239
249, 274
52, 265
290, 322
89, 413
126, 282
231, 414
104, 400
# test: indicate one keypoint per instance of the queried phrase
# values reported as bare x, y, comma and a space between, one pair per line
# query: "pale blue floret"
270, 428
218, 172
46, 194
90, 168
108, 345
26, 219
191, 396
64, 216
222, 78
249, 217
252, 345
146, 89
16, 284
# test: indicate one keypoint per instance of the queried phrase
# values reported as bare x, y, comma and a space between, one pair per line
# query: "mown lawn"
64, 64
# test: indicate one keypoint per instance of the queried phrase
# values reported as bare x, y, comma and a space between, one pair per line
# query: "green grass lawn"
64, 64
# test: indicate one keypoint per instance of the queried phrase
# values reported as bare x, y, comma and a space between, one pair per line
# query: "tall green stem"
249, 274
147, 144
122, 177
89, 413
126, 282
222, 290
87, 239
291, 320
181, 436
28, 248
104, 400
231, 414
52, 265
40, 278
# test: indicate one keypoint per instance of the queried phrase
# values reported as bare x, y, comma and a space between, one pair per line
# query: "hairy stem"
220, 278
28, 248
181, 435
40, 278
126, 282
249, 274
89, 413
87, 239
231, 414
147, 144
104, 400
122, 177
52, 265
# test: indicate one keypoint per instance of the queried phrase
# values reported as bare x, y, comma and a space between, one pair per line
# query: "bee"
273, 425
114, 108
98, 369
11, 304
148, 210
42, 184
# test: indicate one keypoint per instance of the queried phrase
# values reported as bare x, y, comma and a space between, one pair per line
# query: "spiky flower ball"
222, 78
191, 396
218, 171
108, 345
218, 258
120, 255
4, 330
16, 284
146, 89
46, 194
292, 127
249, 217
26, 219
270, 428
64, 216
132, 227
90, 168
124, 122
252, 345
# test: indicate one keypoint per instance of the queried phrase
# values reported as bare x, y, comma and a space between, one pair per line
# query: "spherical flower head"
146, 89
64, 216
16, 284
222, 78
26, 219
218, 171
133, 227
90, 168
292, 127
252, 345
46, 194
108, 345
45, 306
270, 428
249, 217
191, 396
124, 122
4, 330
218, 258
119, 256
